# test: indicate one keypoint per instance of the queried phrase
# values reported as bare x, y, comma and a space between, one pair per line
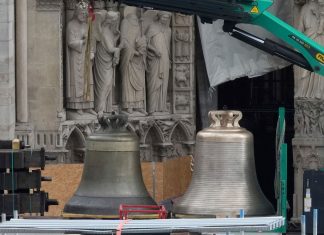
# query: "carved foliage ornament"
307, 158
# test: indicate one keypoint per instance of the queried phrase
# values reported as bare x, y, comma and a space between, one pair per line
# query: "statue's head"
164, 17
81, 11
112, 19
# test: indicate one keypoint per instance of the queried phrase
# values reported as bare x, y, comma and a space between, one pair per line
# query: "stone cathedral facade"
39, 105
47, 114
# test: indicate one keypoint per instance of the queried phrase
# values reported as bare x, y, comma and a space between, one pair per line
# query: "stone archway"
183, 139
76, 147
152, 140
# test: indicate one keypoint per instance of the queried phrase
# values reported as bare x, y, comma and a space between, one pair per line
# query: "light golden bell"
224, 179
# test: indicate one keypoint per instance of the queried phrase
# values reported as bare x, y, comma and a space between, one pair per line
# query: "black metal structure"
23, 159
268, 46
208, 10
20, 187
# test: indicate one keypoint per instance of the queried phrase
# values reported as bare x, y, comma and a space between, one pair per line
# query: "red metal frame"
125, 210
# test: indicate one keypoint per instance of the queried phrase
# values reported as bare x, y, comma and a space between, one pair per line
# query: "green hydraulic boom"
304, 52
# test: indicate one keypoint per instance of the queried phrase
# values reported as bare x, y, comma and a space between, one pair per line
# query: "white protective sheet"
228, 58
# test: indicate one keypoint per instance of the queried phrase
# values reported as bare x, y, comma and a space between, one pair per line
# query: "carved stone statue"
321, 119
182, 75
132, 65
182, 19
321, 12
310, 85
158, 62
111, 5
79, 66
182, 45
106, 59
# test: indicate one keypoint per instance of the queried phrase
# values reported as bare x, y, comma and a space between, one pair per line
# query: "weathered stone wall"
7, 69
45, 75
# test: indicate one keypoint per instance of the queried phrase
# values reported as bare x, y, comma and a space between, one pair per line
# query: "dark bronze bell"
224, 180
112, 172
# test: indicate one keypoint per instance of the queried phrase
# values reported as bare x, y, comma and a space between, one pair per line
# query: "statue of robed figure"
158, 35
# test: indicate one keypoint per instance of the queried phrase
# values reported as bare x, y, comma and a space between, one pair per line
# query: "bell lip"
183, 215
223, 214
266, 210
105, 206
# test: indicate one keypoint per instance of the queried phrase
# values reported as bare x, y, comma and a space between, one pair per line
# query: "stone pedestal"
7, 69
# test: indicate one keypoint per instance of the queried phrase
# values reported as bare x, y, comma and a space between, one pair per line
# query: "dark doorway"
259, 99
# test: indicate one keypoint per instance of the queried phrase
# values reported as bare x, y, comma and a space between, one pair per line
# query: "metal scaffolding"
257, 224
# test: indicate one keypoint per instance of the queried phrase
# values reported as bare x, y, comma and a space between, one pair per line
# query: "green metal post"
283, 183
281, 171
282, 113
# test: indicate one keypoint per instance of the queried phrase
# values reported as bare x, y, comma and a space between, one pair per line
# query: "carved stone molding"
169, 137
309, 118
307, 157
49, 5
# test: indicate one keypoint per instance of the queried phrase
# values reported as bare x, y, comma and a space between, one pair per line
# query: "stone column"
7, 69
21, 61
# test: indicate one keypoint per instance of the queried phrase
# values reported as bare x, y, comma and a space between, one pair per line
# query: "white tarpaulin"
228, 58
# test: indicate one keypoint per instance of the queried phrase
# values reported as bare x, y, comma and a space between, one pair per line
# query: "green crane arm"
305, 53
311, 50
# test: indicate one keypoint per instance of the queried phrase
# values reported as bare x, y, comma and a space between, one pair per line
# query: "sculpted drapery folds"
132, 65
106, 59
311, 85
79, 64
158, 36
